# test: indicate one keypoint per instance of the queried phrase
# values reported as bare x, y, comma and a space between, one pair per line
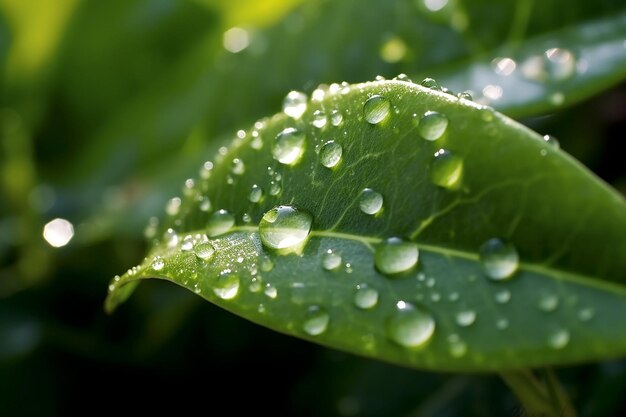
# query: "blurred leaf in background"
107, 106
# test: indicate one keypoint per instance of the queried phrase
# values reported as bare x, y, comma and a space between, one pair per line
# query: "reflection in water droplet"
503, 297
204, 250
376, 109
548, 302
395, 255
370, 202
331, 260
227, 286
432, 125
219, 223
256, 194
446, 169
365, 297
336, 117
294, 104
410, 326
284, 227
466, 318
289, 146
552, 141
330, 154
559, 339
316, 321
319, 119
157, 263
499, 260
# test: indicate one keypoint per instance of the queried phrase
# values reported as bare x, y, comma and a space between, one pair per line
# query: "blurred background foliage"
107, 106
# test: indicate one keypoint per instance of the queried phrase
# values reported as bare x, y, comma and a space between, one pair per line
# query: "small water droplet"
503, 297
502, 324
432, 125
173, 206
365, 297
316, 321
255, 284
548, 302
435, 297
331, 260
319, 119
266, 264
395, 255
586, 314
552, 141
403, 77
275, 188
270, 291
330, 154
157, 263
256, 194
446, 169
187, 244
171, 238
237, 167
431, 83
284, 227
205, 204
219, 223
289, 146
294, 104
204, 250
151, 229
466, 318
559, 339
376, 109
370, 202
465, 95
457, 348
499, 260
410, 326
227, 286
453, 296
336, 118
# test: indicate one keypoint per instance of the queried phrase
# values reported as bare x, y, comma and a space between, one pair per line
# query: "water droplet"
227, 286
205, 204
457, 348
289, 146
552, 141
219, 223
548, 302
431, 83
266, 264
466, 318
187, 244
432, 125
256, 194
370, 202
410, 326
204, 250
403, 77
275, 188
255, 284
446, 169
331, 260
395, 255
365, 297
157, 263
294, 104
237, 167
465, 95
173, 206
435, 297
270, 291
336, 117
499, 260
559, 339
284, 227
503, 297
170, 237
502, 324
503, 66
376, 109
236, 39
316, 321
453, 296
330, 154
319, 119
561, 63
586, 314
151, 229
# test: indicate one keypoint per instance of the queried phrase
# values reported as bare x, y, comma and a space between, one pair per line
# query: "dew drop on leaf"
410, 326
219, 223
548, 302
316, 321
330, 154
294, 104
559, 339
319, 119
503, 297
284, 227
289, 146
552, 141
466, 318
431, 83
499, 260
204, 250
365, 297
227, 286
157, 263
256, 194
173, 206
586, 314
376, 109
187, 244
171, 238
457, 348
336, 118
370, 202
432, 125
395, 255
446, 169
331, 260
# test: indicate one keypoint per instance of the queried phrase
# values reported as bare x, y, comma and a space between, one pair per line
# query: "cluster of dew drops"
285, 227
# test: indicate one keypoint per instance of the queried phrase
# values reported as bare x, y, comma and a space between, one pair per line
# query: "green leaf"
492, 178
546, 72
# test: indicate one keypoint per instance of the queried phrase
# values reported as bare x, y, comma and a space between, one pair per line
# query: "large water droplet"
204, 250
559, 339
446, 169
376, 109
432, 125
499, 259
284, 227
187, 244
330, 154
370, 202
331, 260
319, 119
410, 326
227, 286
289, 146
256, 194
157, 263
219, 223
316, 321
466, 318
395, 255
294, 104
365, 297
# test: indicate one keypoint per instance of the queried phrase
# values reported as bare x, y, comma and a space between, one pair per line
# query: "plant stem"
547, 399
